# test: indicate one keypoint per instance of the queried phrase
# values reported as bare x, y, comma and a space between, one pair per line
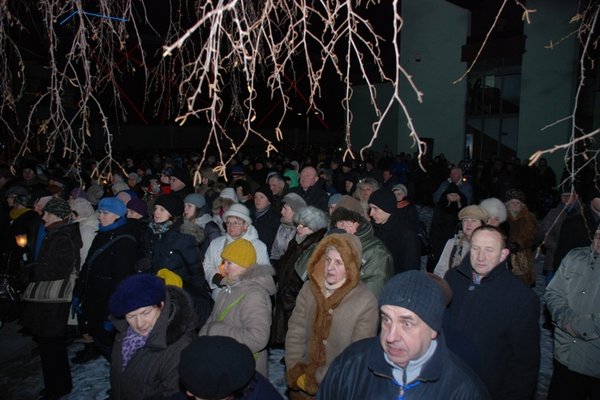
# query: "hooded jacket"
242, 311
152, 371
322, 327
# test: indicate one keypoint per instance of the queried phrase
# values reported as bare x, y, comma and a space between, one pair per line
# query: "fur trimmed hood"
261, 275
351, 252
190, 228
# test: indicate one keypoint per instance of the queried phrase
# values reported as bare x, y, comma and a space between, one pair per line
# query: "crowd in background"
289, 251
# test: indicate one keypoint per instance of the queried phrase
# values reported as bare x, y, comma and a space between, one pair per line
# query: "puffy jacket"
573, 296
377, 262
361, 372
243, 311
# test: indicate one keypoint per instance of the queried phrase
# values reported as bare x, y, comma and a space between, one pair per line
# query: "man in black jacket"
311, 188
410, 359
402, 240
498, 314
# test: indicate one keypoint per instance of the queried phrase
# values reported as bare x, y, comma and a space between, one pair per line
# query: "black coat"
57, 259
500, 318
267, 225
402, 242
289, 284
152, 371
102, 272
180, 253
361, 372
314, 196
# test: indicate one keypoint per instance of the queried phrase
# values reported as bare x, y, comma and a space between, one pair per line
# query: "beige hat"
473, 212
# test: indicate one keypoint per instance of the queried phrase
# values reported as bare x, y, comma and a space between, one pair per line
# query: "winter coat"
177, 249
211, 232
267, 225
573, 296
314, 196
362, 372
576, 231
403, 243
102, 272
242, 311
549, 230
152, 371
444, 223
454, 252
320, 327
58, 259
523, 228
500, 318
465, 188
285, 233
289, 284
377, 262
212, 259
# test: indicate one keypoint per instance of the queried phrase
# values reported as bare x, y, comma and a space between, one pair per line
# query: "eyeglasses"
234, 223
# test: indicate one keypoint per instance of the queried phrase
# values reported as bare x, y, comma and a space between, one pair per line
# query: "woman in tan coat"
243, 307
522, 232
333, 309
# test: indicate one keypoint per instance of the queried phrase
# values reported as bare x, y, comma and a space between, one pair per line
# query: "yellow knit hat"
170, 277
240, 252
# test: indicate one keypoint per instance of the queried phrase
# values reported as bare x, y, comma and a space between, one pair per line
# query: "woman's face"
335, 270
106, 218
514, 206
452, 197
261, 201
188, 211
469, 225
232, 270
143, 319
49, 218
160, 214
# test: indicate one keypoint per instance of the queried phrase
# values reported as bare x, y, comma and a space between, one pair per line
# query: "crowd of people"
377, 279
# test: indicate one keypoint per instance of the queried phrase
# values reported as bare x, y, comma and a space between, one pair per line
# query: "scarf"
160, 228
404, 377
118, 222
132, 342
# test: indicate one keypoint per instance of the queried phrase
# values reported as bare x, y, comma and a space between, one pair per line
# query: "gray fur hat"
312, 217
294, 201
494, 208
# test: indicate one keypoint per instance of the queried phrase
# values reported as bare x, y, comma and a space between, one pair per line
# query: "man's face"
27, 174
365, 191
486, 251
276, 186
386, 175
455, 175
404, 335
308, 177
568, 198
378, 215
176, 184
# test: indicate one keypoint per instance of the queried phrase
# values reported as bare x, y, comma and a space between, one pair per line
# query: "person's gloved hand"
301, 382
76, 307
217, 280
108, 326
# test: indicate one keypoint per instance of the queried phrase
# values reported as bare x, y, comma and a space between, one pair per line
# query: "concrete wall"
548, 79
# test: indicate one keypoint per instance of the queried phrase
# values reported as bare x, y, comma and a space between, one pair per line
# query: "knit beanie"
58, 207
214, 367
196, 199
112, 205
473, 212
240, 252
294, 201
266, 191
416, 292
136, 291
515, 194
240, 211
383, 199
139, 206
82, 207
401, 188
334, 199
171, 203
170, 277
